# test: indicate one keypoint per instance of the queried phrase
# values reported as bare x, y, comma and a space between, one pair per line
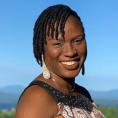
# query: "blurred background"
18, 66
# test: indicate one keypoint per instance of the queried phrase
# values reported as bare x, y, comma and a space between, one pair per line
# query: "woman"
60, 48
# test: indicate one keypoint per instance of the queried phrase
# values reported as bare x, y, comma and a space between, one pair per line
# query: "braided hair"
50, 22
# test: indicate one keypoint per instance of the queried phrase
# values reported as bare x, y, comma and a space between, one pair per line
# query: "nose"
69, 50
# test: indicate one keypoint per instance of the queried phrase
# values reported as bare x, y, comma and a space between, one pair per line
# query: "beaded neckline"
79, 101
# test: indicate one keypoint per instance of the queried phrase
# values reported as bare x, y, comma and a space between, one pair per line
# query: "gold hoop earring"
46, 73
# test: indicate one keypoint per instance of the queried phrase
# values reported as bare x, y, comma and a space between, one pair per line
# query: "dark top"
81, 100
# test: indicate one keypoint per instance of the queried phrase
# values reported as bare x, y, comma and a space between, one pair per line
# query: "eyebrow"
83, 35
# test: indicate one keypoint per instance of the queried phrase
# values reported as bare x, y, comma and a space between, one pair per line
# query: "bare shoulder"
36, 102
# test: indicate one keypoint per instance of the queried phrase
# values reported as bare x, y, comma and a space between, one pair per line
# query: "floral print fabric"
72, 112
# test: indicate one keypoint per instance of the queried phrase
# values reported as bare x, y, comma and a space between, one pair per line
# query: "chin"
71, 74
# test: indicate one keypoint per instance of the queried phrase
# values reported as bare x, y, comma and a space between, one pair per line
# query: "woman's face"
64, 57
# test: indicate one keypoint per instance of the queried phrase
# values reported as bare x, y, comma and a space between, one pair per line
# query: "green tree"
109, 112
7, 114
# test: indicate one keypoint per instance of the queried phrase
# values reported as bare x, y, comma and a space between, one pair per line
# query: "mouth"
70, 65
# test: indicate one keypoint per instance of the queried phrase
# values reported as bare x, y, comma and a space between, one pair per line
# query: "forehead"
73, 27
73, 24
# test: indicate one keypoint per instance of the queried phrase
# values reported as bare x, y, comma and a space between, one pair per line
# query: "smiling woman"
65, 56
60, 48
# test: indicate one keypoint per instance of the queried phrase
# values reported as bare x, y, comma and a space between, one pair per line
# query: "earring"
83, 69
46, 73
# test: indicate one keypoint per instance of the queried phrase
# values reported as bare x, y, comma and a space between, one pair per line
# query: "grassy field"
109, 112
7, 114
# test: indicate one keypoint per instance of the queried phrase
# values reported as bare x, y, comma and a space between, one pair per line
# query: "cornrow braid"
51, 22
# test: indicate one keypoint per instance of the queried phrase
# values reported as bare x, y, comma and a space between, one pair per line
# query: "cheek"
52, 53
82, 49
82, 52
52, 58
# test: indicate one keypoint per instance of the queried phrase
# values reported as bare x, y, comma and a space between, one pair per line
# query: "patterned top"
71, 106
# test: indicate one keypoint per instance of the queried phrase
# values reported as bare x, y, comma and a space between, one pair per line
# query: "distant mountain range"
110, 95
107, 98
9, 96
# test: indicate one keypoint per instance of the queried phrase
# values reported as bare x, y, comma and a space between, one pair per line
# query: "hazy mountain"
107, 98
9, 96
12, 89
110, 95
10, 92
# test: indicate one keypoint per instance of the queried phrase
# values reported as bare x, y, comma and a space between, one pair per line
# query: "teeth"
69, 63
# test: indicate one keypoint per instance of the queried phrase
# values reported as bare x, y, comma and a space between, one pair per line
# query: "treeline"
7, 114
109, 112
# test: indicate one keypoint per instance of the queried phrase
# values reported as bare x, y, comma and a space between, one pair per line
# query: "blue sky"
100, 19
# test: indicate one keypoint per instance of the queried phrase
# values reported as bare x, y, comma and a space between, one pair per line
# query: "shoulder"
82, 90
36, 102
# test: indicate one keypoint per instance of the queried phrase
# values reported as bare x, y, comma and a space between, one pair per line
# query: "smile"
69, 63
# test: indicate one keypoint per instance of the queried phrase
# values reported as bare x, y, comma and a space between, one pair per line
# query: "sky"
100, 18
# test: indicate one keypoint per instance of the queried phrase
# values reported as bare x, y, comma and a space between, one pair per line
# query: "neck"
66, 86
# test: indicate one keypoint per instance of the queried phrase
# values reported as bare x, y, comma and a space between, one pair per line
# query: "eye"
78, 40
57, 44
